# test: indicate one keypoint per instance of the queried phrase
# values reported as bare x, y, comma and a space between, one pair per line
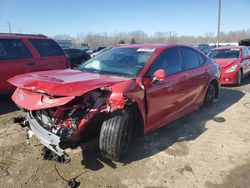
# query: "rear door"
15, 58
50, 54
197, 75
166, 99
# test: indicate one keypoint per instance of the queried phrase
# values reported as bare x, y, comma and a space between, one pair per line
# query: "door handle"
31, 63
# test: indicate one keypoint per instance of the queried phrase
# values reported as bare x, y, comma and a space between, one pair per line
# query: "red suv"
20, 53
127, 89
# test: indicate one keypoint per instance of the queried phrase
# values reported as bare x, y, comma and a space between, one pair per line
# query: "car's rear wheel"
239, 78
210, 95
115, 135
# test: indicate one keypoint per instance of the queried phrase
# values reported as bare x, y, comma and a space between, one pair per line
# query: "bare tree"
108, 39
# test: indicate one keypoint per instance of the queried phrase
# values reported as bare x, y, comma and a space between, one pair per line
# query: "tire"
115, 135
239, 78
210, 95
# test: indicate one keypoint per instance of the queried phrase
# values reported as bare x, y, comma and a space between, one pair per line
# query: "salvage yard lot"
208, 148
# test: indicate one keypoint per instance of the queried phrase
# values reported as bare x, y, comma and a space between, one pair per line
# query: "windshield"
225, 53
126, 62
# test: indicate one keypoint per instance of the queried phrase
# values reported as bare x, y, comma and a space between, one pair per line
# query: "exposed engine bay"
68, 121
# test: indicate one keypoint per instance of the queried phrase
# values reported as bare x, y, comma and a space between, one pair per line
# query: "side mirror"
247, 57
159, 75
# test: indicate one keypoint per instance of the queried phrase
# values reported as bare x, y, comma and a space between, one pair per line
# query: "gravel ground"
208, 148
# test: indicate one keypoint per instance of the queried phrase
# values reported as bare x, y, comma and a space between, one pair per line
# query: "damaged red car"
128, 90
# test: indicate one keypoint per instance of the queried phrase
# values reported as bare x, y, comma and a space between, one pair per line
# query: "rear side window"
47, 47
202, 59
13, 49
169, 61
190, 58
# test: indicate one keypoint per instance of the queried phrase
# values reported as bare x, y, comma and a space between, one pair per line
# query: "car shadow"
6, 104
185, 129
245, 81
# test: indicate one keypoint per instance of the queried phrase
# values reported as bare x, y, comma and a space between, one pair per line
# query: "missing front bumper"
47, 138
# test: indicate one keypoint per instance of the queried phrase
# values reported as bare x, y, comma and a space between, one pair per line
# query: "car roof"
229, 47
18, 35
151, 46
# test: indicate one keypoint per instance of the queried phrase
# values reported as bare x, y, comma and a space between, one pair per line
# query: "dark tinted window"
190, 58
13, 49
169, 61
47, 47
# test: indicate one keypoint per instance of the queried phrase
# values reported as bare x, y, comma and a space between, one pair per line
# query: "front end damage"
64, 125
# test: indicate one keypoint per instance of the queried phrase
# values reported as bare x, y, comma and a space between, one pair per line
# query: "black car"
95, 49
76, 56
244, 42
205, 48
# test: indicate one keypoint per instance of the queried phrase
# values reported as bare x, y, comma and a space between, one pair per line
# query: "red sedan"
234, 62
130, 88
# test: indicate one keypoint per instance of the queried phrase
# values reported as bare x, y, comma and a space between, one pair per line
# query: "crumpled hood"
64, 82
225, 62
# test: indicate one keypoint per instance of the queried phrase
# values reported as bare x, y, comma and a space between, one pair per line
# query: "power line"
9, 26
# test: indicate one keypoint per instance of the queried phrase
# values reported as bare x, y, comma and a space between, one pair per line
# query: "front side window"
126, 62
47, 47
225, 53
169, 61
190, 58
13, 49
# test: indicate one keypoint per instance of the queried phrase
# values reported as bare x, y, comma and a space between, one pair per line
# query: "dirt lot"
208, 148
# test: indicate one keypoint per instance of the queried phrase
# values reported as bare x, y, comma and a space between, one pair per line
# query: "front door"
168, 98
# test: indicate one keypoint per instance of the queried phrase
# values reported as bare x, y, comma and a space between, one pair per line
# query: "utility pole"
9, 27
218, 31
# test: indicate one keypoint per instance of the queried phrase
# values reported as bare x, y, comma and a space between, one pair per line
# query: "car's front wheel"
239, 78
115, 135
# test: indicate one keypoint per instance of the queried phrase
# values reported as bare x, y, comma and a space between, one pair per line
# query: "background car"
234, 62
205, 48
23, 53
94, 49
76, 56
101, 51
244, 42
127, 89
